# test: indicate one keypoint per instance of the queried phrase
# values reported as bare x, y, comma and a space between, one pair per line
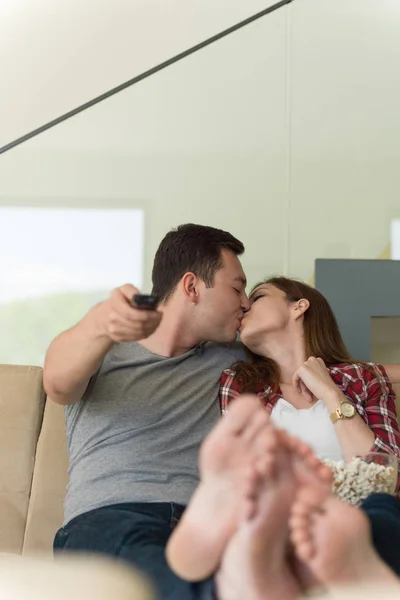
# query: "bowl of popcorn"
355, 480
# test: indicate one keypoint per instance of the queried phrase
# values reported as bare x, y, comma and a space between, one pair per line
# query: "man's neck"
172, 338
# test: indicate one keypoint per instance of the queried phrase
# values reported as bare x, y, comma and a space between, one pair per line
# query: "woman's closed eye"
256, 298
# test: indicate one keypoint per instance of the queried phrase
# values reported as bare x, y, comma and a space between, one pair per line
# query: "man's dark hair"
190, 249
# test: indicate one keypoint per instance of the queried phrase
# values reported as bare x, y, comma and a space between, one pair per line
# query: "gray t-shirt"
136, 433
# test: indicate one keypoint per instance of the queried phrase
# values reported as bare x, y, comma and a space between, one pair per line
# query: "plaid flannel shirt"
365, 385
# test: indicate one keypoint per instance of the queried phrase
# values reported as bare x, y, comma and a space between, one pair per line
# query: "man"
141, 393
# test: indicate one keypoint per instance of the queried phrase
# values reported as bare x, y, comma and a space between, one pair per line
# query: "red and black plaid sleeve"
380, 410
229, 389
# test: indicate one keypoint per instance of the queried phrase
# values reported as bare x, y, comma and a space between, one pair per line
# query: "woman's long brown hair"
322, 337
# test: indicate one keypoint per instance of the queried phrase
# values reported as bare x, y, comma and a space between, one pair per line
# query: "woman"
301, 371
303, 374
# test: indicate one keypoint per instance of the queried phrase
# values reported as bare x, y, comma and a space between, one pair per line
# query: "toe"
304, 549
300, 509
241, 414
257, 428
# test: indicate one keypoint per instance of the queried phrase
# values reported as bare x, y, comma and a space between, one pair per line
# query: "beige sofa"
33, 462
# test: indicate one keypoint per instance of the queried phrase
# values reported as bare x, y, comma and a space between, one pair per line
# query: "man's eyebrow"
242, 280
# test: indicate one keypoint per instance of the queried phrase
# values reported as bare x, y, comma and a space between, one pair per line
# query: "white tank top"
312, 425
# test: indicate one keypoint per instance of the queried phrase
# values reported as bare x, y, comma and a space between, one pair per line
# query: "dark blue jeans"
383, 512
136, 533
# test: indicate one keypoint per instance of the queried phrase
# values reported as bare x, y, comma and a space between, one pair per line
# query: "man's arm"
76, 355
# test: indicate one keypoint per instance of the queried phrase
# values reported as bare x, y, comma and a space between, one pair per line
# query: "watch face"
347, 410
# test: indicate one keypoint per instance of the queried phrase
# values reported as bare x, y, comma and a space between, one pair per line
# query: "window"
57, 263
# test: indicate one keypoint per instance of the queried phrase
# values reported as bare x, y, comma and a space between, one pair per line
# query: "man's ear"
301, 307
190, 286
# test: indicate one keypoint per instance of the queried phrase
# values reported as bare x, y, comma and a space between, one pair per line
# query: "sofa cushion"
21, 411
50, 479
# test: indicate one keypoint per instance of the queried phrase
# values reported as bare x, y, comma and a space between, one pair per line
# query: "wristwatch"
345, 410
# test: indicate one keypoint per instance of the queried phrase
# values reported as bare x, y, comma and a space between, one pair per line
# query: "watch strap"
335, 416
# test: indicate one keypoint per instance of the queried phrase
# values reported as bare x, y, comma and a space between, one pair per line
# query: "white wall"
345, 148
286, 133
190, 144
56, 55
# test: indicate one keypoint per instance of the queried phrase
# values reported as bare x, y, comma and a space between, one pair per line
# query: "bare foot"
254, 566
309, 471
237, 451
334, 540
